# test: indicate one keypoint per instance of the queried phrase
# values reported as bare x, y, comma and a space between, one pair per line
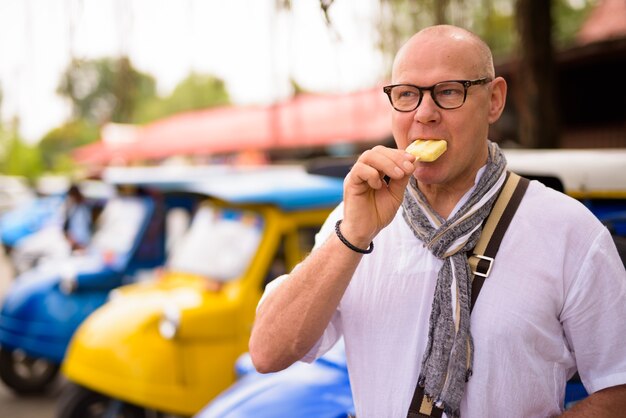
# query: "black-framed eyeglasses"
450, 94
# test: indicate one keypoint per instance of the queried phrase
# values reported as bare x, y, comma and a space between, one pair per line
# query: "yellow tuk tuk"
169, 344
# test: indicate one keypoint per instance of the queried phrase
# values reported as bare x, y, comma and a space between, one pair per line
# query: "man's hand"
294, 316
370, 203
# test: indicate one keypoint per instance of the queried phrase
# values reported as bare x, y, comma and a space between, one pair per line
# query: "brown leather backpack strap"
422, 406
481, 261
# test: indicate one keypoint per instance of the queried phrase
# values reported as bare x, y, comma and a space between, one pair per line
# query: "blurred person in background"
77, 226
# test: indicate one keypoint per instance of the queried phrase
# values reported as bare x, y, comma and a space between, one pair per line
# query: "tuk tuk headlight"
169, 322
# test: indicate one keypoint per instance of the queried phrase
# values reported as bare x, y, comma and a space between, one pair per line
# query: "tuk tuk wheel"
79, 402
24, 374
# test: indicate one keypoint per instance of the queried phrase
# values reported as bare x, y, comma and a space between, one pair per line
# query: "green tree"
105, 90
197, 91
111, 90
491, 19
527, 31
100, 91
495, 24
18, 158
568, 20
56, 145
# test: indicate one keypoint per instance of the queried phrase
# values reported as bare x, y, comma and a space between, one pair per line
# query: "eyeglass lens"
448, 95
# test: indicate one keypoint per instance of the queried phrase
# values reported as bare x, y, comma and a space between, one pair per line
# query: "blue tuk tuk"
44, 305
33, 231
166, 346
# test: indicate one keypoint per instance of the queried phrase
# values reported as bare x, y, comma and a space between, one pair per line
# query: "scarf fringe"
450, 411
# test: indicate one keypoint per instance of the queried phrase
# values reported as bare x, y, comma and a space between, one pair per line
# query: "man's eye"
450, 92
406, 94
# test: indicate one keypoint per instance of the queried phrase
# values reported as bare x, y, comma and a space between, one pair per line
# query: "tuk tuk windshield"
219, 244
119, 224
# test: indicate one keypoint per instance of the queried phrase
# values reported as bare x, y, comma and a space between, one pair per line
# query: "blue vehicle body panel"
30, 218
574, 392
611, 213
320, 390
38, 317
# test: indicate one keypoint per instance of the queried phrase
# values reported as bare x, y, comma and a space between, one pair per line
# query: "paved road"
41, 406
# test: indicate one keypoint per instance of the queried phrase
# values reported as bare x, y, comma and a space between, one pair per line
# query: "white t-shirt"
555, 302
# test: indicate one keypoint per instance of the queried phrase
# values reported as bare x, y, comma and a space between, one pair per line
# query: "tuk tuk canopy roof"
289, 187
306, 120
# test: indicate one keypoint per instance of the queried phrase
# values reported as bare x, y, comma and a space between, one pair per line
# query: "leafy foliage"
105, 90
112, 90
58, 143
197, 91
18, 158
569, 16
493, 20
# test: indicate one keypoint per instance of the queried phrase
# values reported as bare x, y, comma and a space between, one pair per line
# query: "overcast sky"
245, 42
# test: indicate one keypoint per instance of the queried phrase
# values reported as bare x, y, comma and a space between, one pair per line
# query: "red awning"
606, 21
306, 120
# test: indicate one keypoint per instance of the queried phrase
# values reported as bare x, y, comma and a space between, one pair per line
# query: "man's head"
75, 194
442, 53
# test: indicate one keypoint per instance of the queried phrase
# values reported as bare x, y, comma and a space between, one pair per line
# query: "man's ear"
498, 98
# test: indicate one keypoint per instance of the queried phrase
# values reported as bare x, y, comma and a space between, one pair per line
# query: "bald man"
554, 303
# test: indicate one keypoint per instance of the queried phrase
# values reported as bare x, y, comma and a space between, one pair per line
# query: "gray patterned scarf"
447, 361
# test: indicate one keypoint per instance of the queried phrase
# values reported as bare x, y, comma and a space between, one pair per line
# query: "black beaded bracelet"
348, 244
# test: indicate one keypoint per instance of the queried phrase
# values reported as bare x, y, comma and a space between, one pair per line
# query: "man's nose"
427, 111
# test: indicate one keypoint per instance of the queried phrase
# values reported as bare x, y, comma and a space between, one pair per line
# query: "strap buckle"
478, 264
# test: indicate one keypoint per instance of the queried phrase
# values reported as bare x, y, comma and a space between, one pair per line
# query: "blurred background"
89, 83
88, 86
